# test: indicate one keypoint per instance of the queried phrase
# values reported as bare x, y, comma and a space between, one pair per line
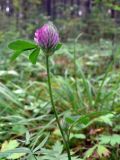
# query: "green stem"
54, 109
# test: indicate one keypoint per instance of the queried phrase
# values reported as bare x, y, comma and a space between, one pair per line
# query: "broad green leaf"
34, 55
58, 46
15, 55
21, 45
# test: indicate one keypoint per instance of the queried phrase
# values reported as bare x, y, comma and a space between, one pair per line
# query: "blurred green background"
91, 30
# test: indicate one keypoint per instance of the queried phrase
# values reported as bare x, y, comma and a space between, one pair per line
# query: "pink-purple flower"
47, 37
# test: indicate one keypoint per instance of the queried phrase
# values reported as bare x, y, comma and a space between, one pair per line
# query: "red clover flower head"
47, 37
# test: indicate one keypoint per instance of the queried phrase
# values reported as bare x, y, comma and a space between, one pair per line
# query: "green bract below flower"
47, 38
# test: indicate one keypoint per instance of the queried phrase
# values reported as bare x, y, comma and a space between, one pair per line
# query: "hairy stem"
54, 109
